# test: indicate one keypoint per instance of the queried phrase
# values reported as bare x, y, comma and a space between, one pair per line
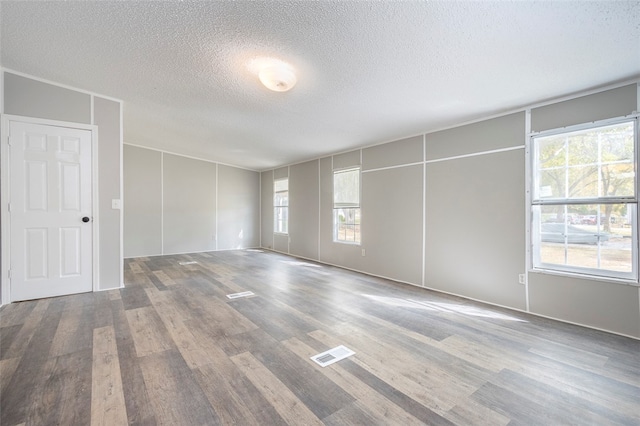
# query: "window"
346, 206
281, 206
584, 201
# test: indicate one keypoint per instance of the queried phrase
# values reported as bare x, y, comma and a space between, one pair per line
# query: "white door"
49, 210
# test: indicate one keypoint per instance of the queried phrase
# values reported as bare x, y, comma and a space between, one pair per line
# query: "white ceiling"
368, 72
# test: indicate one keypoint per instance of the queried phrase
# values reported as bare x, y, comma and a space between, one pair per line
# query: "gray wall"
188, 204
447, 211
238, 208
176, 204
143, 202
32, 98
304, 203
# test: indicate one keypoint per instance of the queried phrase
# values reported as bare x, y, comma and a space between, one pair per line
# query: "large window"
346, 206
584, 201
281, 206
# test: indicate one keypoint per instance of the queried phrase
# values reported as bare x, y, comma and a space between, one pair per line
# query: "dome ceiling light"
273, 73
278, 77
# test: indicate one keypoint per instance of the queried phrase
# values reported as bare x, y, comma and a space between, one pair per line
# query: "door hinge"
9, 206
9, 273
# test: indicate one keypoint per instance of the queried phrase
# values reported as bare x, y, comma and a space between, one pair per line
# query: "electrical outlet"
521, 278
364, 253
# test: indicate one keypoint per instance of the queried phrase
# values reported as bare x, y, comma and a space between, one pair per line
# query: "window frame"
342, 206
277, 208
537, 202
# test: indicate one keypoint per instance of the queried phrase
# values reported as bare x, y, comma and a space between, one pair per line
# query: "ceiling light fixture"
278, 77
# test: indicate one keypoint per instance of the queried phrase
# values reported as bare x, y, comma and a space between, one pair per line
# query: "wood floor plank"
7, 368
164, 278
427, 383
265, 314
75, 331
477, 353
233, 396
470, 412
139, 409
16, 313
380, 410
30, 373
7, 335
317, 392
134, 297
279, 396
148, 331
65, 397
29, 327
175, 396
107, 396
353, 413
195, 352
416, 408
582, 407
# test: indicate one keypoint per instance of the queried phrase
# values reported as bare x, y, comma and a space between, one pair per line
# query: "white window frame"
277, 208
534, 203
337, 207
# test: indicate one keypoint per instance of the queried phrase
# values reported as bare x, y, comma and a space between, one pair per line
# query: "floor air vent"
193, 262
332, 355
238, 295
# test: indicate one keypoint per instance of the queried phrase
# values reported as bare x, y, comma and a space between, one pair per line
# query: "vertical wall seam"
121, 196
527, 206
259, 208
288, 209
424, 206
216, 224
319, 209
162, 203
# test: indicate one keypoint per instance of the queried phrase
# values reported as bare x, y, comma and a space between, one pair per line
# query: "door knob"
85, 219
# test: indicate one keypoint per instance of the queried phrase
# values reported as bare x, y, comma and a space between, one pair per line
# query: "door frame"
5, 219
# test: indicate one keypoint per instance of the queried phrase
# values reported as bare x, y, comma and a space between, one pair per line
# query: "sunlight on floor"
442, 307
298, 263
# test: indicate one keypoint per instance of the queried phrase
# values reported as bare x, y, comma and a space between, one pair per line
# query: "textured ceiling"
367, 72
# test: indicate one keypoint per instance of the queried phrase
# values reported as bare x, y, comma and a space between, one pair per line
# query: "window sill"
576, 275
349, 243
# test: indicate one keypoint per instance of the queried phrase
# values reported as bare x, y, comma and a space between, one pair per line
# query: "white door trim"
5, 223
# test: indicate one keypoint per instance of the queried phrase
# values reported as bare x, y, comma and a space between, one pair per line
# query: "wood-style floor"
170, 348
